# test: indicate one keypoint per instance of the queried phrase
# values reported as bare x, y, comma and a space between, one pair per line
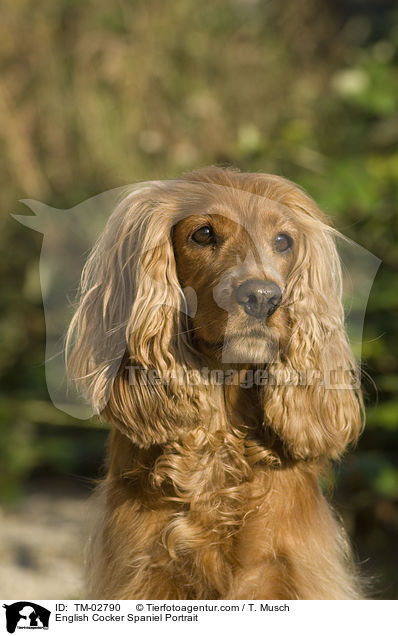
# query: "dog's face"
237, 260
257, 257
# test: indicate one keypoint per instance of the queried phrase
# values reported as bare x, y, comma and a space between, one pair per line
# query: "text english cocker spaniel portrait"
209, 333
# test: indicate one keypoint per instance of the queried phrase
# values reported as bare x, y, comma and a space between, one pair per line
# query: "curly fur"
212, 490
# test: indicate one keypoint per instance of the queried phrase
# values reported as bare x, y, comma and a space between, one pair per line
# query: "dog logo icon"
26, 615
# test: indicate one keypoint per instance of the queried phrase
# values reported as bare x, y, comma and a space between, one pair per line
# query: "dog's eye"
204, 235
283, 242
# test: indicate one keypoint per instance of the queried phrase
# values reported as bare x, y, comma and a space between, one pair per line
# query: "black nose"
259, 298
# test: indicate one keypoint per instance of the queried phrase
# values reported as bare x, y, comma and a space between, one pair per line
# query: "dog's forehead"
258, 217
231, 208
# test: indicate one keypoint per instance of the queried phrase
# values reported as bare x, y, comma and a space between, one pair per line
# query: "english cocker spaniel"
209, 334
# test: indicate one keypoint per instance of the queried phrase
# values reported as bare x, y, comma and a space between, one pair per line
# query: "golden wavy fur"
212, 487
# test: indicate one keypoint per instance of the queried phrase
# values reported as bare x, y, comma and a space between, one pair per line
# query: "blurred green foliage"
97, 95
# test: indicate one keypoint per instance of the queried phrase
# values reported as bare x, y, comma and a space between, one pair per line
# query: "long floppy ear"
313, 400
126, 346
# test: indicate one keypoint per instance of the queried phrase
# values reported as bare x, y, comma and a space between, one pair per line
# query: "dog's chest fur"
204, 511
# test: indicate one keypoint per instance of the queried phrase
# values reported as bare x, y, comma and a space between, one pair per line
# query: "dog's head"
218, 268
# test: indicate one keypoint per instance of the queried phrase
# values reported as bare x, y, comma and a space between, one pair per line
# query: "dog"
209, 333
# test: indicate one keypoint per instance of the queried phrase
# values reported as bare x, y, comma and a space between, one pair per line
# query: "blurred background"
96, 95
